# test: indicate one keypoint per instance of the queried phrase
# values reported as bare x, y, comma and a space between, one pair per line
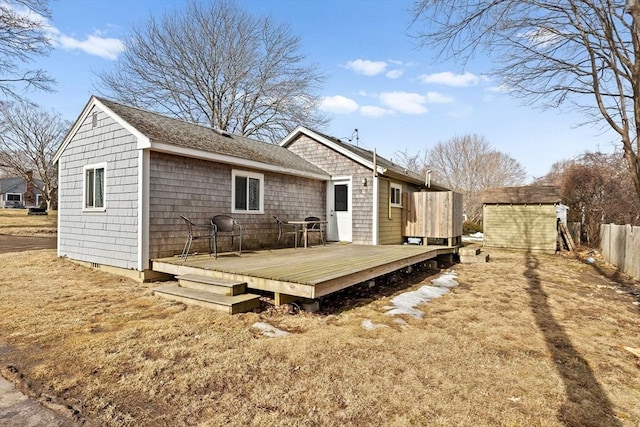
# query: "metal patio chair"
226, 226
282, 230
315, 228
196, 232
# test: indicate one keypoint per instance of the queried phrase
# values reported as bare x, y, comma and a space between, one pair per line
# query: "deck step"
480, 257
212, 284
225, 303
470, 250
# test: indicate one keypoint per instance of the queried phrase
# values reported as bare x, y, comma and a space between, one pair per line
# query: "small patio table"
304, 224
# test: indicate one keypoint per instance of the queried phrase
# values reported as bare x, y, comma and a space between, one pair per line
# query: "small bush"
470, 227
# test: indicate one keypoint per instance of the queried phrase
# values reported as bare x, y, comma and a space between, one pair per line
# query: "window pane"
13, 197
341, 198
241, 193
254, 194
99, 190
89, 189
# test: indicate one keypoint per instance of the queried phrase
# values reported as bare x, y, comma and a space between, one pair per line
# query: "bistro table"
305, 226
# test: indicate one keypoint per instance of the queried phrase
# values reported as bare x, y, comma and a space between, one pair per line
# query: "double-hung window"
94, 186
247, 192
395, 195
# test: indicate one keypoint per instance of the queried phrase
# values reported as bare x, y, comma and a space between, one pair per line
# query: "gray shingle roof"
532, 194
16, 184
167, 130
407, 174
368, 156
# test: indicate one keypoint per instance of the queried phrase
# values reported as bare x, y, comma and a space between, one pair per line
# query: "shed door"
339, 217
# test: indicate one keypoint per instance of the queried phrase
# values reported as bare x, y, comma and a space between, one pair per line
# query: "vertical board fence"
621, 247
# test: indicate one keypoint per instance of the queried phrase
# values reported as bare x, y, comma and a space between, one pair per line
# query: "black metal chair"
228, 227
196, 232
282, 230
315, 228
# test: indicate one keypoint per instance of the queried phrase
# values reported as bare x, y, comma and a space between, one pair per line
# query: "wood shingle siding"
108, 237
337, 165
200, 189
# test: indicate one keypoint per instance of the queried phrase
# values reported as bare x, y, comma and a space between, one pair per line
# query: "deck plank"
310, 272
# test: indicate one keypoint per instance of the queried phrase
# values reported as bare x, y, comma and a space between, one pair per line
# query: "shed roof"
531, 194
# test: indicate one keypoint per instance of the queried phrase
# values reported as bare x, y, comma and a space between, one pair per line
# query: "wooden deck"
307, 273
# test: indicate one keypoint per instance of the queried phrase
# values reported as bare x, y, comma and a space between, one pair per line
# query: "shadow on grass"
586, 402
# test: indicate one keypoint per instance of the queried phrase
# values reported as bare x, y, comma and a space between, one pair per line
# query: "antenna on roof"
353, 136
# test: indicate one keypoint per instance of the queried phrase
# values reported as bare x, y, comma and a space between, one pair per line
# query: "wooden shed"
521, 218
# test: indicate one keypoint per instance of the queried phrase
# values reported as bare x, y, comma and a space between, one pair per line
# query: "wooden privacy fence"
621, 247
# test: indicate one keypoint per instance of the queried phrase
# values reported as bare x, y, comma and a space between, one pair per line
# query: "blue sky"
397, 96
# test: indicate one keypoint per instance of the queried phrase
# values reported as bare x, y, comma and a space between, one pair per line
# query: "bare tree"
584, 53
598, 189
22, 38
217, 65
29, 137
414, 162
469, 165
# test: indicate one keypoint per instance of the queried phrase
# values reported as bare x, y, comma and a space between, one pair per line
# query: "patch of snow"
635, 303
447, 280
400, 321
406, 303
368, 325
270, 330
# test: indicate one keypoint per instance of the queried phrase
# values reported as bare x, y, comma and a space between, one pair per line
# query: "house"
367, 195
125, 176
17, 192
522, 217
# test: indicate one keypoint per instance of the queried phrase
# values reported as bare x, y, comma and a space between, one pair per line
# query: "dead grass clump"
523, 340
16, 222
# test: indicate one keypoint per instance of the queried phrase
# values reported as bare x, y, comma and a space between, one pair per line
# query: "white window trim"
38, 200
391, 188
6, 197
84, 188
246, 174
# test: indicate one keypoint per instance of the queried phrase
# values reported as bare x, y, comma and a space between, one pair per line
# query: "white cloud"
500, 89
338, 104
373, 111
394, 74
366, 67
405, 102
104, 47
448, 78
438, 98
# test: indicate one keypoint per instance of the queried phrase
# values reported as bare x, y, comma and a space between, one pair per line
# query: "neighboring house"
17, 192
522, 217
125, 176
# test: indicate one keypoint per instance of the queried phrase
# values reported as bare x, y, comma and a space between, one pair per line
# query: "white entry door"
339, 216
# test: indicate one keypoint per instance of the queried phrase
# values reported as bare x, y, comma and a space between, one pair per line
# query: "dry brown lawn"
533, 340
17, 222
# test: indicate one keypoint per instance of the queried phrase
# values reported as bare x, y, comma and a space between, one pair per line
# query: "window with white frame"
38, 200
14, 197
94, 186
247, 192
395, 195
